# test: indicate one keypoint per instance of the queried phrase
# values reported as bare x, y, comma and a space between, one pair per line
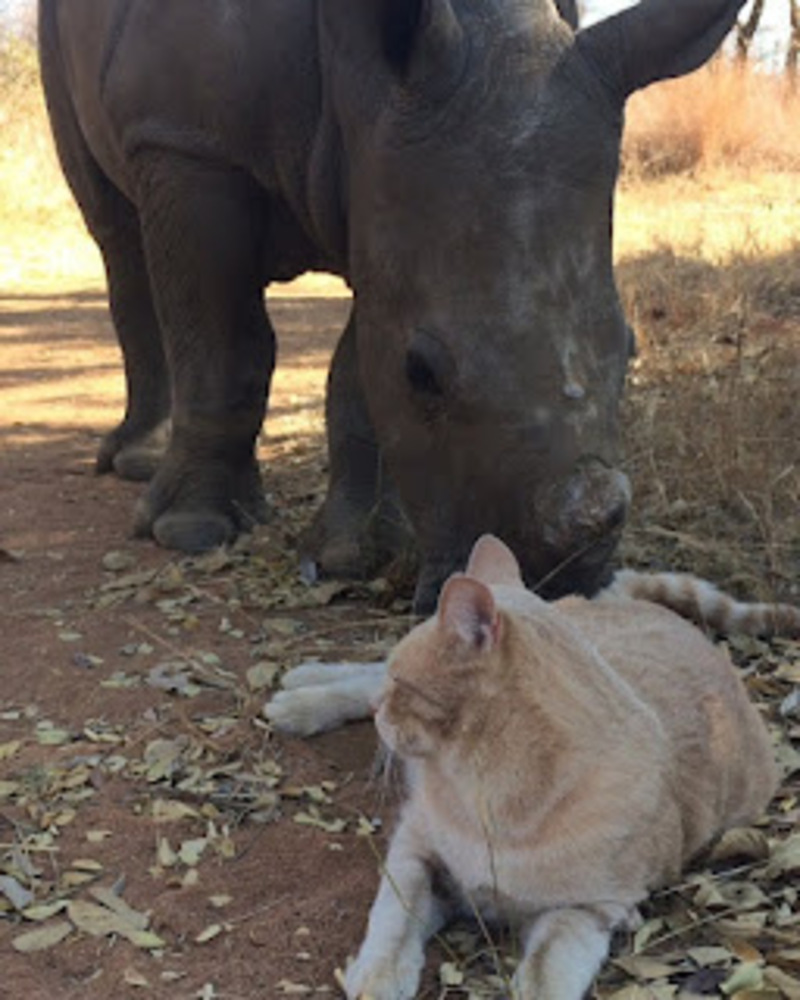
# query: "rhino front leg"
360, 524
134, 448
204, 232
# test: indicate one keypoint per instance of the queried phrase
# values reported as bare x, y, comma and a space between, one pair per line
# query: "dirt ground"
79, 643
133, 756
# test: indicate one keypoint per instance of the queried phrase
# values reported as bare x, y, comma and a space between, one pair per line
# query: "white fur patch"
321, 696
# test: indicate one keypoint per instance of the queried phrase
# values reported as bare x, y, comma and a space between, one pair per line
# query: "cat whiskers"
386, 774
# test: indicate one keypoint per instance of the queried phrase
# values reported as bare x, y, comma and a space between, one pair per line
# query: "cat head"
446, 668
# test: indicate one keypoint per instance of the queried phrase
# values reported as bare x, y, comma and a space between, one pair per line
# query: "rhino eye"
421, 375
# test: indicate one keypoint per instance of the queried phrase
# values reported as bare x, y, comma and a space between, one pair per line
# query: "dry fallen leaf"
636, 992
115, 561
91, 918
262, 675
8, 789
209, 933
747, 976
450, 974
788, 985
290, 989
8, 750
191, 851
51, 736
43, 937
15, 893
147, 940
133, 977
643, 967
97, 836
710, 955
741, 842
43, 911
172, 810
115, 903
785, 857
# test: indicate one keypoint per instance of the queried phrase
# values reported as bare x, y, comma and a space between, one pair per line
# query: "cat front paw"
300, 711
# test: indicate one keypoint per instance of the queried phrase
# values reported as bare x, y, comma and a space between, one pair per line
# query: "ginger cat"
562, 760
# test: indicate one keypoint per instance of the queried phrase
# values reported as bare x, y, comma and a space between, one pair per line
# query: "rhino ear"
493, 562
422, 41
655, 40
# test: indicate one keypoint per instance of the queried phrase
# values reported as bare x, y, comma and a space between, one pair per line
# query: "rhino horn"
655, 40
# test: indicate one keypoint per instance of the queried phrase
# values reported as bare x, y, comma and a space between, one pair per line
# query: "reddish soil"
298, 894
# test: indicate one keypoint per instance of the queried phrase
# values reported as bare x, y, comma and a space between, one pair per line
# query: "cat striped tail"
701, 602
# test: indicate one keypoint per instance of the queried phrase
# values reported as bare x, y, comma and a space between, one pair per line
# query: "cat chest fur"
481, 863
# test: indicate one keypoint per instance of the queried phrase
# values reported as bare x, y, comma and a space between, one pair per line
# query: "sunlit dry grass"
44, 245
712, 416
708, 251
725, 114
712, 216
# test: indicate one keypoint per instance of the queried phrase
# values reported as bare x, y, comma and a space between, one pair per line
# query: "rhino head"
483, 154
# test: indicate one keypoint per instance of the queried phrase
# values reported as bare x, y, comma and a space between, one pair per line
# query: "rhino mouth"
579, 525
586, 570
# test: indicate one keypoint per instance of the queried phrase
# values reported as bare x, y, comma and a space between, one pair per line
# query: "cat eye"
413, 689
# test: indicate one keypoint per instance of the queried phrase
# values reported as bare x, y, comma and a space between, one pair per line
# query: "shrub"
726, 114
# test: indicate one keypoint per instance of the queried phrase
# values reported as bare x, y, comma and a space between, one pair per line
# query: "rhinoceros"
455, 162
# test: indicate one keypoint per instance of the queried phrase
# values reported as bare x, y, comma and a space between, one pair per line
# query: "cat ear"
467, 610
493, 562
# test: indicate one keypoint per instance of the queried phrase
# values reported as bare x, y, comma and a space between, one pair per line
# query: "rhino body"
455, 162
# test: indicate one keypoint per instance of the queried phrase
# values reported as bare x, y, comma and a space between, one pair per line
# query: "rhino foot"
196, 511
347, 542
335, 549
193, 531
132, 456
343, 558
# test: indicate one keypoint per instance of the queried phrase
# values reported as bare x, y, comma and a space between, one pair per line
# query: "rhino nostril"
593, 501
616, 515
421, 376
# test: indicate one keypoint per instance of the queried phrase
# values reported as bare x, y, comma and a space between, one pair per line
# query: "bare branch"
745, 30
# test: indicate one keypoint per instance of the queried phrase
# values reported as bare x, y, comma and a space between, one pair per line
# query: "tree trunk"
793, 51
745, 30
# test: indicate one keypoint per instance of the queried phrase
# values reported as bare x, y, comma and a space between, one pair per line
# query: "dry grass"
708, 251
712, 418
725, 113
43, 242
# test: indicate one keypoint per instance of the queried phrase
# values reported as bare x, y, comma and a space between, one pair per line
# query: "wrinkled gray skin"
455, 162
